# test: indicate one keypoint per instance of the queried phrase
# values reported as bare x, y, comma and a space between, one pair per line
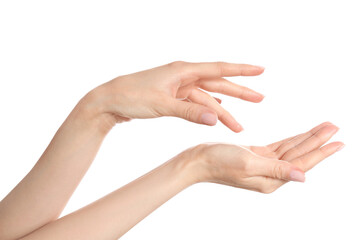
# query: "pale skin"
32, 208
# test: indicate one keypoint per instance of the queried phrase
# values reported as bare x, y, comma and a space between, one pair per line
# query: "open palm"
303, 150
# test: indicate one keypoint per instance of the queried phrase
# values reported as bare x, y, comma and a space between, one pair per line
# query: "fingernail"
261, 97
239, 128
209, 119
296, 175
333, 129
260, 67
340, 147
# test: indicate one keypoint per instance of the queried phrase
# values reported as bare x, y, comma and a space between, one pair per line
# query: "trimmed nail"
209, 119
261, 96
256, 97
296, 175
333, 129
239, 128
260, 67
340, 147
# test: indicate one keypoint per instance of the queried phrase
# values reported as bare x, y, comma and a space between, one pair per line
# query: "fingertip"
261, 68
238, 128
251, 70
326, 123
320, 126
332, 129
331, 148
340, 147
259, 98
235, 127
252, 96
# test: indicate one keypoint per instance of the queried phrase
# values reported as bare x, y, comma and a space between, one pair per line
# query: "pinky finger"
309, 160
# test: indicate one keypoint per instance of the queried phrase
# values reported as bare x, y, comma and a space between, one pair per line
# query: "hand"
176, 89
264, 169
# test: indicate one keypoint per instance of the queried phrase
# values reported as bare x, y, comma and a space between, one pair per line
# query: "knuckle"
323, 152
219, 66
291, 153
188, 113
241, 92
222, 113
278, 171
296, 151
177, 64
244, 91
221, 85
300, 164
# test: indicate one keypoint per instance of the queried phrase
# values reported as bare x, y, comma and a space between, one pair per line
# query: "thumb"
192, 112
278, 169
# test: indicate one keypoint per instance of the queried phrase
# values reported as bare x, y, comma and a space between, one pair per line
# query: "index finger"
219, 69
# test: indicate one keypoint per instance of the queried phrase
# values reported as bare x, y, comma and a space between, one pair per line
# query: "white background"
52, 53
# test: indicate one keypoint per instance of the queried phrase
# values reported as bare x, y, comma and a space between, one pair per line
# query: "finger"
316, 140
190, 111
200, 97
304, 163
218, 100
275, 146
182, 93
276, 169
216, 69
221, 85
309, 160
289, 144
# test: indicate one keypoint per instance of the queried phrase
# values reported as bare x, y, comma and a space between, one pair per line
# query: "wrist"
192, 165
90, 112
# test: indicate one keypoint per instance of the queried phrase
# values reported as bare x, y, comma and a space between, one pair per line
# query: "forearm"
113, 215
43, 193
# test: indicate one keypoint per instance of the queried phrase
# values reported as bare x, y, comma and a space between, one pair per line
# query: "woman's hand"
264, 169
261, 169
176, 89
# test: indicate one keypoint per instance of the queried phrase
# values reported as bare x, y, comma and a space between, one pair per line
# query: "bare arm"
43, 193
116, 213
41, 196
238, 166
